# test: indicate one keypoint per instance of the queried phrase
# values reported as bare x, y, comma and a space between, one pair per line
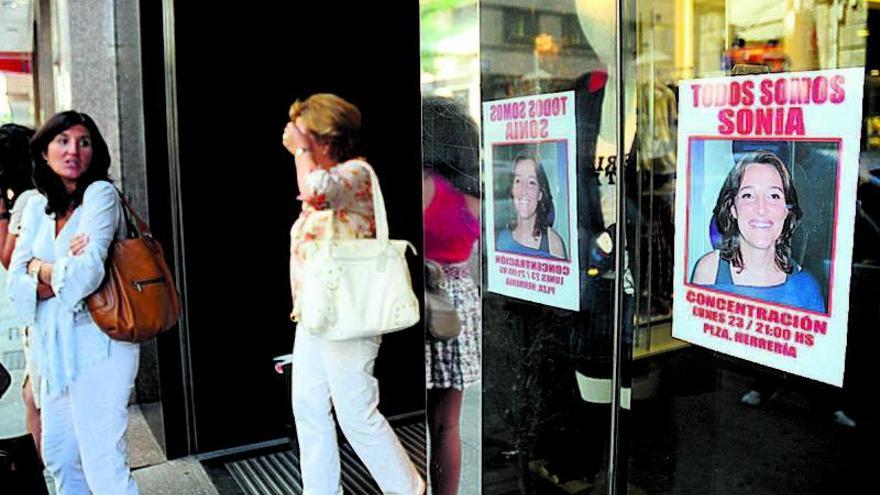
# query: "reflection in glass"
548, 372
452, 233
451, 209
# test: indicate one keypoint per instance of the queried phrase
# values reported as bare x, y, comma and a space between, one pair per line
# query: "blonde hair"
332, 120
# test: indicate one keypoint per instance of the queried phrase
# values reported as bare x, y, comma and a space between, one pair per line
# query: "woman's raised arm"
76, 277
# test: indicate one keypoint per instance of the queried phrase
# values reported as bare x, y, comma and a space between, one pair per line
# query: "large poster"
531, 202
765, 215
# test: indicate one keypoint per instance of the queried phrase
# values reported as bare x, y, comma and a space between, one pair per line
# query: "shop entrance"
234, 84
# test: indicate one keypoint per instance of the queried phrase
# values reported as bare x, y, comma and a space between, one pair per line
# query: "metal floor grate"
278, 473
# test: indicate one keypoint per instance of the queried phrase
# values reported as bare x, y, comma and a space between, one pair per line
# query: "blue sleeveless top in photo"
505, 242
800, 289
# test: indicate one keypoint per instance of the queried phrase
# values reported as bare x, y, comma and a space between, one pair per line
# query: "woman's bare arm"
7, 243
706, 269
555, 243
5, 237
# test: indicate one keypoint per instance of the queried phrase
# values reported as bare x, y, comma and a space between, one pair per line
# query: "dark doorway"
238, 71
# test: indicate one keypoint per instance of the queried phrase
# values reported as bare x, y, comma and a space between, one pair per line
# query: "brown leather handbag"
137, 299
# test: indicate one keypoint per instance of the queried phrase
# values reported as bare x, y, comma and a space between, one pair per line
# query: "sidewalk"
154, 473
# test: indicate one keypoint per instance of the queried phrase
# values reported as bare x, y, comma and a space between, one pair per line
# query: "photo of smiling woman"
756, 215
529, 229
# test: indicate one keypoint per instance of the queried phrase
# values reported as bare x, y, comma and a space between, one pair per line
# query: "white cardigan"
65, 340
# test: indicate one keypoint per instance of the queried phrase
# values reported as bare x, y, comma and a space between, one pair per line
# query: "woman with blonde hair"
335, 188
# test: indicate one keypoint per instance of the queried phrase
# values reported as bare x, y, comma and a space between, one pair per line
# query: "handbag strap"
435, 277
138, 226
379, 216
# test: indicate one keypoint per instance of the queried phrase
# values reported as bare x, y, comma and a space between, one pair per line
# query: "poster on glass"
766, 212
531, 216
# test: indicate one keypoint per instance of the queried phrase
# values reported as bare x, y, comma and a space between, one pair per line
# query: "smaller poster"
531, 205
765, 208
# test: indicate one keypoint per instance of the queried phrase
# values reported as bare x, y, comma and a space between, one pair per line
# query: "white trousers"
84, 428
340, 374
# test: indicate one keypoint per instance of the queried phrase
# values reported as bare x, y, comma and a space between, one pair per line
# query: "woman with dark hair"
16, 186
336, 190
86, 378
530, 230
451, 209
756, 214
16, 190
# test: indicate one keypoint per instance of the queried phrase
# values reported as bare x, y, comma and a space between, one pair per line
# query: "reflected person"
451, 209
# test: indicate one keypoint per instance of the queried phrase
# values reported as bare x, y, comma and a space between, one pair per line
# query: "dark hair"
727, 224
545, 213
451, 143
47, 181
15, 159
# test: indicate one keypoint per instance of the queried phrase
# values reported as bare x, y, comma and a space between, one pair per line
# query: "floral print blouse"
337, 204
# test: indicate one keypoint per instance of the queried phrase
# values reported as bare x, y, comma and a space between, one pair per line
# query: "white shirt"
11, 319
66, 339
18, 209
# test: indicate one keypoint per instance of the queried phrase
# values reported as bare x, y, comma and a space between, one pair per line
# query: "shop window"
572, 34
520, 26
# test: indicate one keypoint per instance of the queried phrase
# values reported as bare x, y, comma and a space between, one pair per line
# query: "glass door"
558, 279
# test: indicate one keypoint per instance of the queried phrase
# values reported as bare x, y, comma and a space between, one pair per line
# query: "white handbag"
358, 287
